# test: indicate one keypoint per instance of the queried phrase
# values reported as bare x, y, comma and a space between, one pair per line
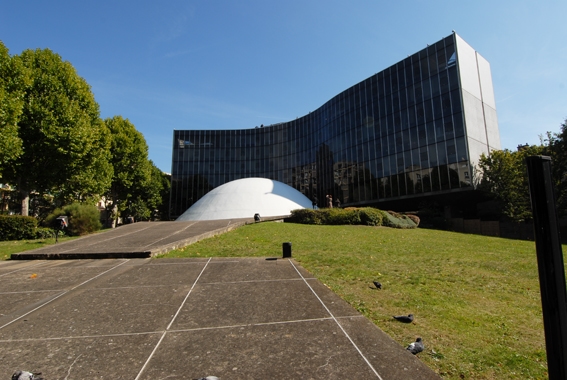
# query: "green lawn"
476, 299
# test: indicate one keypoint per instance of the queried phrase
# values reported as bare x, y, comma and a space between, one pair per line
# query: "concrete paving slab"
166, 274
101, 312
214, 305
46, 278
79, 358
306, 350
184, 318
14, 304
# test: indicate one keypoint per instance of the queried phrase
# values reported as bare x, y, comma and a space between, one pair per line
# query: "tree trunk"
25, 202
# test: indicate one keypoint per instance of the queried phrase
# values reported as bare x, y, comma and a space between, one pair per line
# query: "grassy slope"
475, 298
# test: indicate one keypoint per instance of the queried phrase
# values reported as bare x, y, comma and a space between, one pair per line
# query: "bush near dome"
365, 216
83, 219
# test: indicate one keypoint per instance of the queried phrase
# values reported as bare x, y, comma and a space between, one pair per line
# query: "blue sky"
219, 64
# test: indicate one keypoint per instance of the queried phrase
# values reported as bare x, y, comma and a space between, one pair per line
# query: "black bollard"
286, 249
550, 265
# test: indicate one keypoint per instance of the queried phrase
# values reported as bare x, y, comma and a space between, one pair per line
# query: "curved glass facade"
403, 132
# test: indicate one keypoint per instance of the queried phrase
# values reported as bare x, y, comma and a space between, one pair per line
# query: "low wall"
520, 231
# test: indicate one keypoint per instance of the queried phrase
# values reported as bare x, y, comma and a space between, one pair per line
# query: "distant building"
411, 132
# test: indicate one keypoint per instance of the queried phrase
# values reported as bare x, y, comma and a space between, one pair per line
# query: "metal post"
550, 265
286, 247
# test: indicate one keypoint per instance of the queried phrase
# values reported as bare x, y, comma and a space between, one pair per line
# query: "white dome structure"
243, 198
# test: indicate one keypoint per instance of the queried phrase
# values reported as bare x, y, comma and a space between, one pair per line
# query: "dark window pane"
437, 108
422, 135
461, 149
456, 101
424, 68
443, 81
458, 125
439, 130
428, 110
446, 104
426, 89
449, 133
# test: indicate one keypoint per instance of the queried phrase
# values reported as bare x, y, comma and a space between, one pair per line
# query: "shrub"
371, 217
306, 216
395, 220
17, 227
83, 218
414, 218
339, 216
367, 216
46, 233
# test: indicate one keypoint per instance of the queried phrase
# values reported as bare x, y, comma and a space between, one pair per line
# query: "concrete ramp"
137, 240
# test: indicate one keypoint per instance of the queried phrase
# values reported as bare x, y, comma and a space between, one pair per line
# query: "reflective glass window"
428, 106
439, 130
424, 68
458, 125
443, 81
456, 101
426, 88
432, 150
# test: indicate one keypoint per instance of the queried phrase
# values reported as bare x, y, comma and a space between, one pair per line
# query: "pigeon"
404, 318
415, 347
25, 375
377, 285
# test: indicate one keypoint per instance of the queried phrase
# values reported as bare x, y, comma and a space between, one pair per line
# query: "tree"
558, 152
65, 142
130, 193
504, 175
161, 183
13, 81
148, 196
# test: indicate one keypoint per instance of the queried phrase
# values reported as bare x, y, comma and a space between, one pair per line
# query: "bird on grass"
25, 375
404, 318
416, 347
377, 284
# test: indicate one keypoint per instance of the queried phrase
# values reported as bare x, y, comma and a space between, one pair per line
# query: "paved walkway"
153, 319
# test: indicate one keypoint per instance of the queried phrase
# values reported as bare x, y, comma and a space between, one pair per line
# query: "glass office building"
413, 130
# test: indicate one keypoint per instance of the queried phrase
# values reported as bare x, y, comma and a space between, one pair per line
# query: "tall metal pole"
550, 265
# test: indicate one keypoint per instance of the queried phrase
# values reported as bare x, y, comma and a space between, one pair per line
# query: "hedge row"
17, 227
366, 216
83, 219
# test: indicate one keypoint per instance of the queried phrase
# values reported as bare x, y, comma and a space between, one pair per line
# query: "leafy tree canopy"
558, 152
135, 189
65, 142
13, 82
504, 174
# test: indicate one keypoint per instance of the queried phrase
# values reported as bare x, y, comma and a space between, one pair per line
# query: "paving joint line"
165, 237
34, 291
338, 324
97, 242
178, 330
62, 294
17, 270
253, 281
171, 322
